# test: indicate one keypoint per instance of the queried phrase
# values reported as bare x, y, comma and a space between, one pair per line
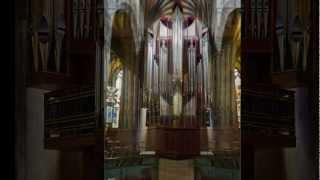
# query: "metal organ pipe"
177, 72
204, 84
252, 4
152, 87
205, 58
75, 18
163, 56
82, 17
177, 36
148, 76
88, 11
266, 18
259, 17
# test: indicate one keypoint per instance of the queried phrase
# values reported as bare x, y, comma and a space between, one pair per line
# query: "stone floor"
153, 168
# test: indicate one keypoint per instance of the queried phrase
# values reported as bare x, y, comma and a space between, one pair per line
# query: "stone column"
228, 110
304, 140
217, 88
40, 163
222, 87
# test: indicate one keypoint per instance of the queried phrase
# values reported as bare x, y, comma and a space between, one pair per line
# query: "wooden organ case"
72, 119
259, 20
270, 67
291, 59
66, 42
258, 40
176, 85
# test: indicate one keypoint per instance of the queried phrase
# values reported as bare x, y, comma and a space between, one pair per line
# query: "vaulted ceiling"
201, 9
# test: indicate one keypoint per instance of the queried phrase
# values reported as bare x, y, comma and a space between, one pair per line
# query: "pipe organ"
82, 11
259, 20
177, 74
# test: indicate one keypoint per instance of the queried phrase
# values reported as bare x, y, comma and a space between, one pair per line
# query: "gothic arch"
227, 59
228, 8
120, 53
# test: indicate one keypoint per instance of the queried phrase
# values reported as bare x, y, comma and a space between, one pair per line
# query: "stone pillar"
304, 140
228, 110
40, 163
233, 90
222, 87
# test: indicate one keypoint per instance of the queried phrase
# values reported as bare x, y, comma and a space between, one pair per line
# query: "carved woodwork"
74, 56
268, 113
178, 143
70, 118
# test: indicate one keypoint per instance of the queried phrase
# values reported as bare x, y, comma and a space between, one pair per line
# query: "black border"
315, 84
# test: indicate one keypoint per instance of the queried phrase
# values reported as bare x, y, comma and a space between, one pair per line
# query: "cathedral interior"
172, 91
166, 89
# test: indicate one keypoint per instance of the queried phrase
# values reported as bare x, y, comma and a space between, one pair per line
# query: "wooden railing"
271, 112
70, 113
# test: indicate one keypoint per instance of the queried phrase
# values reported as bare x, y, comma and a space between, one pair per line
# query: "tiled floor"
176, 170
152, 168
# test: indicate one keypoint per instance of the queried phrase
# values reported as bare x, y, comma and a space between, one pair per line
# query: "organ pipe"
177, 82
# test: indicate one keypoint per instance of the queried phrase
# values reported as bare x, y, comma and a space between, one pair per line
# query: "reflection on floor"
176, 170
130, 158
148, 167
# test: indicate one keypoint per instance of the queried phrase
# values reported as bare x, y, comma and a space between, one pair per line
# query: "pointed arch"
227, 60
122, 63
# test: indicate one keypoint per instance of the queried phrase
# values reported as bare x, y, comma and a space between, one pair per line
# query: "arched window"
237, 81
113, 91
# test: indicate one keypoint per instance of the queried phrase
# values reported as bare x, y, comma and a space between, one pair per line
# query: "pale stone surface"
176, 170
41, 164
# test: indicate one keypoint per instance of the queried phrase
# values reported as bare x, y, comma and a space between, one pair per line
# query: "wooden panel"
264, 141
82, 47
70, 143
261, 46
268, 113
177, 143
69, 117
83, 68
54, 80
289, 79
